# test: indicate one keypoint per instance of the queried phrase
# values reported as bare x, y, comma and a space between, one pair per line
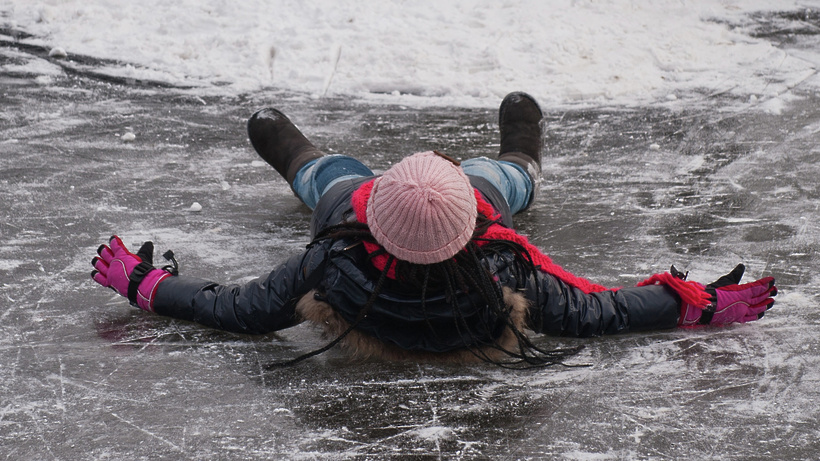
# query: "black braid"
424, 302
537, 355
467, 271
502, 311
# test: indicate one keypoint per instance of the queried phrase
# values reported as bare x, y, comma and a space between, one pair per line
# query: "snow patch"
10, 264
434, 433
618, 51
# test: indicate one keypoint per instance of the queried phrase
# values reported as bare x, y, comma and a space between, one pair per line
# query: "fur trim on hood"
361, 345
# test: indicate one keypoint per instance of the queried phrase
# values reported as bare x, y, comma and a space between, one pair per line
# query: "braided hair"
466, 272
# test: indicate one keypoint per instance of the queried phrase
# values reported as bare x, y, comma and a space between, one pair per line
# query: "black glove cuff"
709, 311
135, 278
706, 316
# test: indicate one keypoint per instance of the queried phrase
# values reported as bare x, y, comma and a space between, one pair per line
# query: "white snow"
465, 52
434, 433
57, 52
24, 64
10, 264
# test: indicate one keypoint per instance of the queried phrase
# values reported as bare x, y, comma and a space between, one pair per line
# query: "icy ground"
704, 182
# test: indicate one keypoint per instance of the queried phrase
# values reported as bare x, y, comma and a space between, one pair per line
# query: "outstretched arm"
563, 310
260, 306
663, 301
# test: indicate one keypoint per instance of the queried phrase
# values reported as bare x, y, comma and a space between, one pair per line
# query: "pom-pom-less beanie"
423, 209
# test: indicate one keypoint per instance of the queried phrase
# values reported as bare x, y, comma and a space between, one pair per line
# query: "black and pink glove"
131, 275
730, 302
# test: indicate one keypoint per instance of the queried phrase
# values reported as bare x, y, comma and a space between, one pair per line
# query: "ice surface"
85, 376
700, 181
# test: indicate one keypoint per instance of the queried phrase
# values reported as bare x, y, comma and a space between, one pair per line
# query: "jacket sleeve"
560, 309
260, 306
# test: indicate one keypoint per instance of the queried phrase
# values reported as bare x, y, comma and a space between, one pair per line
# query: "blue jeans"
318, 176
510, 179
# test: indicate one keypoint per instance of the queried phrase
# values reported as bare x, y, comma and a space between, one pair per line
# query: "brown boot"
519, 120
278, 141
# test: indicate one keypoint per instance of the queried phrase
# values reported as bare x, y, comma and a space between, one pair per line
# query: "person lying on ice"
423, 263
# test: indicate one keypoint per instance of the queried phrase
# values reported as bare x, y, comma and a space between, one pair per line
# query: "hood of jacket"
363, 345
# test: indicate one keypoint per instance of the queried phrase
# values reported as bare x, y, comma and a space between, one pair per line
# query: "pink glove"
131, 275
731, 302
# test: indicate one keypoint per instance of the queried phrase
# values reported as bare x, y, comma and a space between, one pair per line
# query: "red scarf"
690, 292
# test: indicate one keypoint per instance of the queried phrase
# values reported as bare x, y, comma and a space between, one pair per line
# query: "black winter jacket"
337, 272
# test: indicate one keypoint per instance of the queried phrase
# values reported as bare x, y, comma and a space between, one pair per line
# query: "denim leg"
317, 176
510, 179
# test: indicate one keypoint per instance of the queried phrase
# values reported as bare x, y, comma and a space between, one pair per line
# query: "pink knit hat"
423, 209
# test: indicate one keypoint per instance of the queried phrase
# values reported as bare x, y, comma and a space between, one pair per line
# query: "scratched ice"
702, 184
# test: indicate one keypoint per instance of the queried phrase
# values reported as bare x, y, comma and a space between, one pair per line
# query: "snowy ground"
634, 180
465, 52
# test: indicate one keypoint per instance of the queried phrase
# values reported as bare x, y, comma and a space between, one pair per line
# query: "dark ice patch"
768, 233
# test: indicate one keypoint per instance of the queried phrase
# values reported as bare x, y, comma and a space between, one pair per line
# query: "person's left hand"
131, 275
732, 302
